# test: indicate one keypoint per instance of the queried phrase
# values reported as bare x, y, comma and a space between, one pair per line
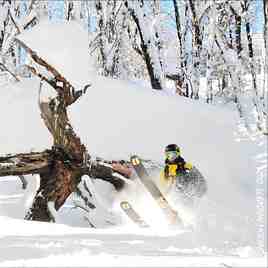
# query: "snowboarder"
174, 164
188, 180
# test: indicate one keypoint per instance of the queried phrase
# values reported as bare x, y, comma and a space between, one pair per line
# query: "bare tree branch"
23, 164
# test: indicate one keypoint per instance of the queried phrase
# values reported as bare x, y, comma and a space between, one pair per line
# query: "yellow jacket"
170, 172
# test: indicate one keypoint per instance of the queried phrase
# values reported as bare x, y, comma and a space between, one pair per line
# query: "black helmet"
172, 148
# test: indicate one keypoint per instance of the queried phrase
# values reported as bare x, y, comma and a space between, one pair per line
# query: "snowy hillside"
114, 120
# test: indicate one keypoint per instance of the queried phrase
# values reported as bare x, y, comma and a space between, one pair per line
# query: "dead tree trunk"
68, 154
61, 167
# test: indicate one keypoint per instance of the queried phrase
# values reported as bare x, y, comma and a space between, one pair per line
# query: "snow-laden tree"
131, 39
16, 17
265, 12
196, 46
265, 9
79, 11
150, 48
9, 28
215, 42
111, 25
180, 9
251, 63
191, 21
227, 55
245, 60
174, 43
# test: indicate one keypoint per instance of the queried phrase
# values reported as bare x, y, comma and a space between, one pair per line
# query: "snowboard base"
160, 199
132, 214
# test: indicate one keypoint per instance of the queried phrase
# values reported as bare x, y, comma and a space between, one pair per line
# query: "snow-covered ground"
116, 119
26, 244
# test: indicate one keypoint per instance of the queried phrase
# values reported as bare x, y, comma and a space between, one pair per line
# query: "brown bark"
56, 184
179, 81
68, 156
23, 181
23, 164
62, 167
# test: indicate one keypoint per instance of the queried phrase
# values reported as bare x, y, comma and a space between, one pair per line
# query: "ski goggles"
171, 155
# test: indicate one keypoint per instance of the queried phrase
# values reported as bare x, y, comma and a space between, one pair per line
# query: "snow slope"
115, 119
119, 120
32, 244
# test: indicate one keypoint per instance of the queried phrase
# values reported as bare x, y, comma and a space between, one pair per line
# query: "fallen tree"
62, 166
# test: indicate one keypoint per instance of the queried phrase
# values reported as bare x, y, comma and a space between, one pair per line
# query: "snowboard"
157, 195
132, 214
